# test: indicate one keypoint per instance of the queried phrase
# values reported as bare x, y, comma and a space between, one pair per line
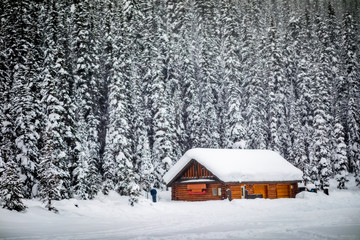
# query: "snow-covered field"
309, 216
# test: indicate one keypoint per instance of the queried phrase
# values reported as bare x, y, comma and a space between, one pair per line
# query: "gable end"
193, 170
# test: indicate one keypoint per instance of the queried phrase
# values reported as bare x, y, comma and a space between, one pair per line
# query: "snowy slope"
310, 216
239, 165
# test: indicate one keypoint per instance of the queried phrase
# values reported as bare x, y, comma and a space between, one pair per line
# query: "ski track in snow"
310, 216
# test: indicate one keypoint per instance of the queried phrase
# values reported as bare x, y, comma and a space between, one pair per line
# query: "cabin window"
214, 191
219, 191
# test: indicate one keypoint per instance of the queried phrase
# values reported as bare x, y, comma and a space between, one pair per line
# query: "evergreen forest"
102, 95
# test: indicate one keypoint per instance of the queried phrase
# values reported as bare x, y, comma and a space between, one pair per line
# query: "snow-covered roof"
239, 165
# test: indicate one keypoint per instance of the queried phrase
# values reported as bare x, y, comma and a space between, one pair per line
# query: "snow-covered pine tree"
339, 155
11, 187
121, 108
303, 91
25, 110
331, 40
86, 173
210, 81
278, 88
55, 95
209, 122
49, 173
189, 72
6, 40
253, 84
87, 179
163, 152
349, 94
163, 131
110, 53
105, 25
320, 152
140, 148
313, 175
232, 93
298, 155
174, 64
63, 68
146, 168
297, 149
144, 60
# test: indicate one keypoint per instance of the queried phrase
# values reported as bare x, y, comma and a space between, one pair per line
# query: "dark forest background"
107, 95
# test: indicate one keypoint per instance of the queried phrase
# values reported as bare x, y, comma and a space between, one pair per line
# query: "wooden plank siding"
196, 171
181, 193
235, 190
283, 190
261, 189
271, 191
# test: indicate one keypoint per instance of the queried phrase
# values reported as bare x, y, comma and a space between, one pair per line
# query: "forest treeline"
101, 95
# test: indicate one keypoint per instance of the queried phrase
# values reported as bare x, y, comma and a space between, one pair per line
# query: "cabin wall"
269, 190
179, 192
273, 190
235, 190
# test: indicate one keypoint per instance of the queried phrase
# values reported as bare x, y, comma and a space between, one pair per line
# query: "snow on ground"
309, 216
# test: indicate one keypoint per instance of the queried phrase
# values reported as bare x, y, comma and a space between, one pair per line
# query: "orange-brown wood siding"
261, 189
271, 191
195, 171
283, 190
181, 193
236, 190
287, 190
250, 188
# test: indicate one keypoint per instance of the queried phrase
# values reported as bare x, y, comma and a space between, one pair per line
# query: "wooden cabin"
216, 174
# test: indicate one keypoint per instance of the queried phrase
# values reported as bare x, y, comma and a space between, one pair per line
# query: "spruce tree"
253, 84
49, 173
340, 155
86, 173
232, 93
320, 147
25, 110
350, 94
11, 187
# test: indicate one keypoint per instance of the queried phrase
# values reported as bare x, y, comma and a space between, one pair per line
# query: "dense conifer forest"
101, 95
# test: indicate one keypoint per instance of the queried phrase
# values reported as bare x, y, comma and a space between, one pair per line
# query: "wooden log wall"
181, 193
268, 190
236, 190
271, 191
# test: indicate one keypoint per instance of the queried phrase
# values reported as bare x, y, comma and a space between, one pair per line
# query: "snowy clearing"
309, 216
